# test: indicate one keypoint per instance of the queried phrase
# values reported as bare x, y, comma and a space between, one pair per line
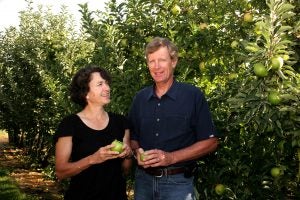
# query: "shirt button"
157, 119
156, 134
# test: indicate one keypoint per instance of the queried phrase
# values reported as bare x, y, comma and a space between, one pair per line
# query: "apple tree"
36, 62
264, 107
242, 57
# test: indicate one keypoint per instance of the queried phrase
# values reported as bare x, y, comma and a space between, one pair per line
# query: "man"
171, 129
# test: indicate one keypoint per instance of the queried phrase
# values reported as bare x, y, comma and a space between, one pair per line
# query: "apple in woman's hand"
118, 146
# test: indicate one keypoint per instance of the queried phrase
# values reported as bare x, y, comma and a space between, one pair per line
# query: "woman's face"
99, 92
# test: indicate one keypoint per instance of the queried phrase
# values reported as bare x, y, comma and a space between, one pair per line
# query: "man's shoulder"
188, 87
144, 91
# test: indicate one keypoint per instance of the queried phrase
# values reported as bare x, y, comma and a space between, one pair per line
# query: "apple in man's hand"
143, 156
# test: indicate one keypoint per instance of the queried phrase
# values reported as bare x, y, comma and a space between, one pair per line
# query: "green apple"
234, 44
219, 189
232, 76
258, 29
201, 65
286, 57
124, 42
203, 26
276, 172
276, 62
142, 156
118, 146
260, 70
176, 10
248, 17
274, 98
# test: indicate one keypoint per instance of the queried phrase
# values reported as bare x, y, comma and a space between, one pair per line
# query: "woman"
83, 141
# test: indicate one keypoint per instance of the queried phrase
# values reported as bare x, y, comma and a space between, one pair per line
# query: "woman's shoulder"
66, 126
118, 118
70, 118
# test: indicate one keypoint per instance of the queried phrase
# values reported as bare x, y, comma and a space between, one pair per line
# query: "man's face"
161, 66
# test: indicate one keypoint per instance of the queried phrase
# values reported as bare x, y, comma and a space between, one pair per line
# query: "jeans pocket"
179, 179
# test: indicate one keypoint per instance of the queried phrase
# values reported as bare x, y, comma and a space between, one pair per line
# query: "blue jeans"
172, 187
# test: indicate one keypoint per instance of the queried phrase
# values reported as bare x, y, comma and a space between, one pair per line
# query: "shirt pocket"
176, 125
147, 127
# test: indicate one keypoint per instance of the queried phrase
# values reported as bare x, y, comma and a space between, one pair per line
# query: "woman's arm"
127, 162
66, 168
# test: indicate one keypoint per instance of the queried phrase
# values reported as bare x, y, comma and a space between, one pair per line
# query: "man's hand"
154, 158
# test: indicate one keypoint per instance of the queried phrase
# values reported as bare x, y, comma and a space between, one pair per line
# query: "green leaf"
284, 8
289, 72
286, 109
252, 47
282, 29
287, 15
288, 97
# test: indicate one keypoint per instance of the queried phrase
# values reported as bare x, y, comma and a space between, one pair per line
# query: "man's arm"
156, 157
195, 151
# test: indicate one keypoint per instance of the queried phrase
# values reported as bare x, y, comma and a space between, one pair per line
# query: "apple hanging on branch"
260, 70
248, 17
276, 62
276, 172
176, 10
274, 98
220, 189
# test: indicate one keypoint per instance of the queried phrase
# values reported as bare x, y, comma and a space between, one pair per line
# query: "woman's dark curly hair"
80, 83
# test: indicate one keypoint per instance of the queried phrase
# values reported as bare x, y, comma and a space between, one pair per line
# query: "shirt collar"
172, 92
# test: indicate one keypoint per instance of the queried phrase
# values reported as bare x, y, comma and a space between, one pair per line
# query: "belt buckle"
163, 171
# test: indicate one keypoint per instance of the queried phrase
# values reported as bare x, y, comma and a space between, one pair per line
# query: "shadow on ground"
31, 182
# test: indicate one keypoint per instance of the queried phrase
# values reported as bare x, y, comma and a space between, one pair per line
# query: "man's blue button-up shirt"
178, 119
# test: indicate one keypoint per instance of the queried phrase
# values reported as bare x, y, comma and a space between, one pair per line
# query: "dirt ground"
29, 181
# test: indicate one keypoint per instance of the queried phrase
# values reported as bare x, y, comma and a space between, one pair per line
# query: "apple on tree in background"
248, 17
276, 62
219, 189
260, 70
234, 44
274, 98
203, 26
276, 172
176, 10
124, 42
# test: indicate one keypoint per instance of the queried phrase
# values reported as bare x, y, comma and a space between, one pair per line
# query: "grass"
8, 189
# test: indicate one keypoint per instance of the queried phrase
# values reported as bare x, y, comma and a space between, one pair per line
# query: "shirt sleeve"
65, 128
125, 123
204, 124
132, 120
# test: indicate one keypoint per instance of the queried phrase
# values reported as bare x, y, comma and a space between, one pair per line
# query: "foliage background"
218, 49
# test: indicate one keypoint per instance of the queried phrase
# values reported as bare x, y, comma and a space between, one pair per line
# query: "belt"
159, 172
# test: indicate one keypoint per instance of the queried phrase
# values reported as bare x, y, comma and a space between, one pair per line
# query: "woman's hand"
103, 154
127, 152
